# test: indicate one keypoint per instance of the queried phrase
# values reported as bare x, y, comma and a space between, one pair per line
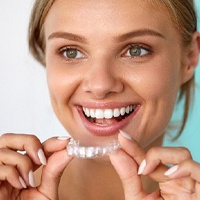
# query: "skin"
104, 75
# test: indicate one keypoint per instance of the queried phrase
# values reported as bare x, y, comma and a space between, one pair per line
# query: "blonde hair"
183, 16
36, 29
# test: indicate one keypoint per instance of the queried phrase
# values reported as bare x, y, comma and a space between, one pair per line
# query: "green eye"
136, 51
71, 53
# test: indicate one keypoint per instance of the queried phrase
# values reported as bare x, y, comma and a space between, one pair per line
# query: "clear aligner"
73, 149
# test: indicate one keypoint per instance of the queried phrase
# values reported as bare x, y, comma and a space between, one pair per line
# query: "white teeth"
92, 113
122, 111
87, 112
127, 110
116, 112
108, 113
99, 114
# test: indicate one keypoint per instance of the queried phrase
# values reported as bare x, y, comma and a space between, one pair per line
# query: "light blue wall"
190, 137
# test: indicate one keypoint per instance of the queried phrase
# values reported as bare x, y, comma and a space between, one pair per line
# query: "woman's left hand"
182, 181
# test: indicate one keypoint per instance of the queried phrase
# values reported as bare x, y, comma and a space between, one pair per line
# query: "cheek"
157, 87
60, 94
62, 81
61, 88
161, 80
56, 85
160, 91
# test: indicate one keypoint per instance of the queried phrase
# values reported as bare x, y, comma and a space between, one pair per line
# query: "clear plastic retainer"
73, 149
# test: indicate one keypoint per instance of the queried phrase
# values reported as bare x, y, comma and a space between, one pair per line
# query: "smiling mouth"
105, 117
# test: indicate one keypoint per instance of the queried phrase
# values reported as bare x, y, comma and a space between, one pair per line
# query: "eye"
136, 51
71, 53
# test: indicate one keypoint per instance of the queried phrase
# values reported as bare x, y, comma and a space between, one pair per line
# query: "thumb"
55, 167
132, 148
126, 168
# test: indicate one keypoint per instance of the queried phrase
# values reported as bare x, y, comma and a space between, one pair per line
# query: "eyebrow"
67, 36
138, 33
121, 38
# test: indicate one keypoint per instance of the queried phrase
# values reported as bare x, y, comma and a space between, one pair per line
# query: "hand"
131, 161
16, 170
184, 169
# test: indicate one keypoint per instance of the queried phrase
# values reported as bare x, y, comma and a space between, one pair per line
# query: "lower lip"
108, 130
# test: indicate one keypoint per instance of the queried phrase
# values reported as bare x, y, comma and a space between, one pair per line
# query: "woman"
111, 68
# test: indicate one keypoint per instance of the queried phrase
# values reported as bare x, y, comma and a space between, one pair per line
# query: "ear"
191, 58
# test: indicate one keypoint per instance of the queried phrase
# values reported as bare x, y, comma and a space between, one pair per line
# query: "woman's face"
112, 65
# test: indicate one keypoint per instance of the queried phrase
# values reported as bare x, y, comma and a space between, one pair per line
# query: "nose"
101, 80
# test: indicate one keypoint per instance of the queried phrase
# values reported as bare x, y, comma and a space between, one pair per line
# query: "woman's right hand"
16, 169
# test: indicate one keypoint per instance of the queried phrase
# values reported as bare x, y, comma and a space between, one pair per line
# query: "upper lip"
105, 105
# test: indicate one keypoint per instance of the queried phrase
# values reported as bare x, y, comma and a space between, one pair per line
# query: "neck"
92, 179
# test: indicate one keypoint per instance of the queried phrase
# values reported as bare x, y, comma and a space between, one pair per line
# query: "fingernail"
142, 167
171, 170
63, 137
42, 157
31, 179
22, 182
125, 135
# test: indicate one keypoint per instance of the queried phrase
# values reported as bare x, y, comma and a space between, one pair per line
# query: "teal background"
190, 137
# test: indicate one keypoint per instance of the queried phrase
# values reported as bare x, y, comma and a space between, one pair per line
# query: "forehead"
106, 16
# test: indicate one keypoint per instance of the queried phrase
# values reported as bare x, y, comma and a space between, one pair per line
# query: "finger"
23, 142
126, 168
131, 147
137, 153
55, 144
166, 155
187, 168
57, 162
11, 175
21, 163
